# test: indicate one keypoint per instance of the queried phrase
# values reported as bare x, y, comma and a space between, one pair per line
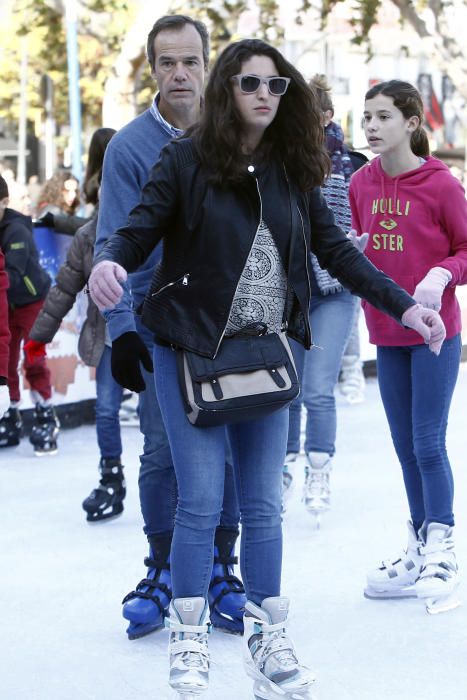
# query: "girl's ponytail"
419, 142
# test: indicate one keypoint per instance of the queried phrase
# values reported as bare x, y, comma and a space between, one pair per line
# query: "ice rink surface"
62, 580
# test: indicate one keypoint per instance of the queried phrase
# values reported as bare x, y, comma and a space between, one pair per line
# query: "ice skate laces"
272, 650
434, 567
189, 643
317, 483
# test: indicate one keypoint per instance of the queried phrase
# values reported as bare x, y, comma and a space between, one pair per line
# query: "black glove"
127, 352
47, 220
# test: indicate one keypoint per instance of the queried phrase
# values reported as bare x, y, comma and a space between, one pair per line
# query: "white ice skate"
352, 379
396, 577
439, 577
317, 488
189, 626
269, 656
288, 477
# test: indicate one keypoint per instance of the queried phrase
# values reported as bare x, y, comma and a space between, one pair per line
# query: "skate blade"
264, 691
45, 453
139, 632
402, 594
103, 518
435, 606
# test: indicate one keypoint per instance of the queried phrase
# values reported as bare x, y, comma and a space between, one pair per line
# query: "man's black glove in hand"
127, 352
47, 220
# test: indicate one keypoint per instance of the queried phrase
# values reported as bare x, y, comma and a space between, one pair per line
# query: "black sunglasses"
251, 83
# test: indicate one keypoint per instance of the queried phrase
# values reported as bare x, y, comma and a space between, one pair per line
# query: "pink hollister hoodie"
416, 221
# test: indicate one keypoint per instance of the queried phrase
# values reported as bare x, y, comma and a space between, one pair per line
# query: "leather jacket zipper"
238, 282
307, 278
184, 280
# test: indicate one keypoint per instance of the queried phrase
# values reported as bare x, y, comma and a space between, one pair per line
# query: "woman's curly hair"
52, 192
295, 137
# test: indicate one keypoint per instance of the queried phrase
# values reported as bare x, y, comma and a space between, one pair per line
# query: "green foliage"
41, 25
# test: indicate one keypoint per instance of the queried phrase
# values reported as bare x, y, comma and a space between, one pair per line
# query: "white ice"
62, 580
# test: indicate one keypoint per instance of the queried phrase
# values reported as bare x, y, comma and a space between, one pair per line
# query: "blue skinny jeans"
416, 388
157, 481
331, 319
108, 400
258, 450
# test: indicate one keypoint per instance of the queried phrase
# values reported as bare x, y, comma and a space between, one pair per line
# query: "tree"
435, 21
41, 23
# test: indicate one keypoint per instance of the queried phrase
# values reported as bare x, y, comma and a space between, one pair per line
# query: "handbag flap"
239, 354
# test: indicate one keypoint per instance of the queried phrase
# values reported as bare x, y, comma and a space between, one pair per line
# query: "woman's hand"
360, 242
428, 323
104, 284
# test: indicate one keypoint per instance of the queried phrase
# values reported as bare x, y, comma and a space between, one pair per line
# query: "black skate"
11, 427
106, 501
44, 431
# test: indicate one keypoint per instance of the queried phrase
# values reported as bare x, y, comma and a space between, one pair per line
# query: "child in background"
415, 212
106, 500
29, 284
331, 312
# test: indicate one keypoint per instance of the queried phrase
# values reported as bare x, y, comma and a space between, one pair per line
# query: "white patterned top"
262, 289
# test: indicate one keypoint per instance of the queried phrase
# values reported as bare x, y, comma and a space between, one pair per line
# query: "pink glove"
429, 291
360, 242
428, 323
104, 284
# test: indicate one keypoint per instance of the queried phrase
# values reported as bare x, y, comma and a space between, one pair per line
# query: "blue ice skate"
226, 593
147, 606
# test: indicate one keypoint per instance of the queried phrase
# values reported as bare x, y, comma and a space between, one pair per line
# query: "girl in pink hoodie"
415, 213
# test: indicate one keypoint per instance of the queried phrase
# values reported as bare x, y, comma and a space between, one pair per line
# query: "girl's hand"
428, 323
430, 290
360, 242
104, 284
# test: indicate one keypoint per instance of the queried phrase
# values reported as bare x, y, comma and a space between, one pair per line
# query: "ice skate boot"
396, 577
269, 656
439, 577
189, 627
317, 488
147, 606
11, 426
106, 501
226, 594
288, 480
44, 430
352, 379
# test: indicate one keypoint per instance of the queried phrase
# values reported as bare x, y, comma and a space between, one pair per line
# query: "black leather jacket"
207, 234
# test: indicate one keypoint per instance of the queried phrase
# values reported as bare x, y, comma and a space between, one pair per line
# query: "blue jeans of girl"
416, 388
331, 319
258, 451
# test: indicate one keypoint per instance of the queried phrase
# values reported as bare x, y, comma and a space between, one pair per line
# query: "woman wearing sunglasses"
238, 206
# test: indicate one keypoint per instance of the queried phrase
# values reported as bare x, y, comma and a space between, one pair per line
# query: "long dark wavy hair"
295, 137
408, 100
97, 146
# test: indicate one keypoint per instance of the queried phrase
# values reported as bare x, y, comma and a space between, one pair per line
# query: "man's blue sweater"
129, 157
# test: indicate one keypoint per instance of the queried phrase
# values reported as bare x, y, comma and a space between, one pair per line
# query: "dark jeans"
416, 389
258, 449
108, 400
157, 481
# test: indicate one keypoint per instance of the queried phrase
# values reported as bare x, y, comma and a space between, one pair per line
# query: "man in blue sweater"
178, 53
